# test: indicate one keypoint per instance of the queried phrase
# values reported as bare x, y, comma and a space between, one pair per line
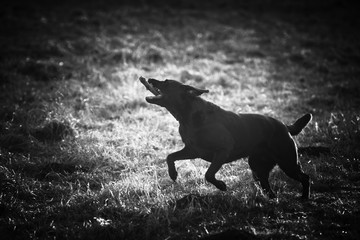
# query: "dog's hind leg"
185, 153
295, 172
289, 163
261, 164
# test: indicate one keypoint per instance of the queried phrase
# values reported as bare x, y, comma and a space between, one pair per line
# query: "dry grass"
82, 153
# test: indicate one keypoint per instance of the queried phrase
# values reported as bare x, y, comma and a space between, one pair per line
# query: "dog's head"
172, 93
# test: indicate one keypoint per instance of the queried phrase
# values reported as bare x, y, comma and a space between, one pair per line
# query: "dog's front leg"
218, 160
183, 154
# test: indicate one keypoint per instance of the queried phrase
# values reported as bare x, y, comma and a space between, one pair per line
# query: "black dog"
219, 136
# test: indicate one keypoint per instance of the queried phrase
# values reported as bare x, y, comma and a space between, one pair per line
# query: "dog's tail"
298, 126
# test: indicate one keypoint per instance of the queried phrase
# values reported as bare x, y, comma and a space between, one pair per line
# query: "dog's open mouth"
151, 88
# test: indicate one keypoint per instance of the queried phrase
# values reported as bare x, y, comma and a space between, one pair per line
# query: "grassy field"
82, 154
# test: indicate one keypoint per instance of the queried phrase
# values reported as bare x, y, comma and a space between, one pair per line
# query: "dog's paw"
220, 185
173, 174
172, 170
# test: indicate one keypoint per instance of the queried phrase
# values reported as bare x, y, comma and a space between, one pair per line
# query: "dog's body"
219, 136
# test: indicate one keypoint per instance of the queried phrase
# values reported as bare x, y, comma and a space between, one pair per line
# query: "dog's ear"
195, 91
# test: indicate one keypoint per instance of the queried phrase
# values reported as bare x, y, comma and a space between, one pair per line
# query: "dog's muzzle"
150, 85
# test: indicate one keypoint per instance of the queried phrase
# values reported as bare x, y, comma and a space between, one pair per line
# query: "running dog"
219, 136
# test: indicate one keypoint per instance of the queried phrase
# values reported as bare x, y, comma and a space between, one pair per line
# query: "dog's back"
248, 130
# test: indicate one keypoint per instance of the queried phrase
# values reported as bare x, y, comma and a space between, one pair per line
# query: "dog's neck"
183, 111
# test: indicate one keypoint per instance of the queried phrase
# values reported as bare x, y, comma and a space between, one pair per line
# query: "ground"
82, 153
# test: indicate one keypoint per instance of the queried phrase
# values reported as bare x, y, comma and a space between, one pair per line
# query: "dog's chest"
196, 123
186, 134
